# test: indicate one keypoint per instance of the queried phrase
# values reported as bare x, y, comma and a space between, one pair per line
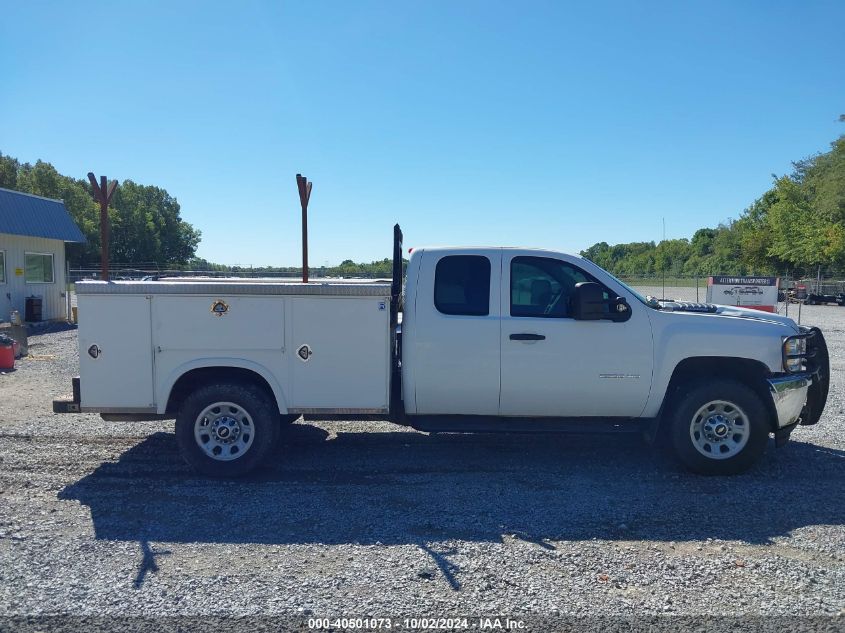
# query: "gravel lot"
360, 519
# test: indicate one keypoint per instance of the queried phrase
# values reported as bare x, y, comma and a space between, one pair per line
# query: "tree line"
145, 222
382, 269
797, 226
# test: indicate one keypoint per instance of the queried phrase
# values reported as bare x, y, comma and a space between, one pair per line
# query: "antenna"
663, 260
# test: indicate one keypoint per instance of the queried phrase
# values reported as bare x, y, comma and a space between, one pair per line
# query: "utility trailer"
814, 299
491, 339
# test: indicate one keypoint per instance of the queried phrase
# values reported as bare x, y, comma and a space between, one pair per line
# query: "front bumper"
819, 367
800, 398
789, 394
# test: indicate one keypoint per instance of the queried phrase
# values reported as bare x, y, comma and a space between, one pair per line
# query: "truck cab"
493, 332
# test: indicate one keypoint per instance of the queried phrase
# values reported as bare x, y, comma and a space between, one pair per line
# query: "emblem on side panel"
219, 307
94, 352
304, 352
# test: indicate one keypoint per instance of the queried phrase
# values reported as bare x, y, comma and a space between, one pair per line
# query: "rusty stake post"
102, 194
304, 196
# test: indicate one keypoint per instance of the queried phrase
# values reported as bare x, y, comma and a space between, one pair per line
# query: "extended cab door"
553, 365
451, 341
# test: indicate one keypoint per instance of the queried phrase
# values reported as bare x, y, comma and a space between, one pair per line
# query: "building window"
39, 268
462, 285
2, 267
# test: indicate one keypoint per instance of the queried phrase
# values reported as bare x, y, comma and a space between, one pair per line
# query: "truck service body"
478, 339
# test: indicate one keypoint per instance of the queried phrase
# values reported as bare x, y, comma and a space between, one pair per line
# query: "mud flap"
782, 435
817, 393
69, 406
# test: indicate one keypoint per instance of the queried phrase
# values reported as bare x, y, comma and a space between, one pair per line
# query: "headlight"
794, 353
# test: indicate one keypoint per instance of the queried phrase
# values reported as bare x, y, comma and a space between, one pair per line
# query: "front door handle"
527, 337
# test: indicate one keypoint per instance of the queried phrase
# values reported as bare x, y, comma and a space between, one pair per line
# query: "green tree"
701, 243
800, 232
9, 172
145, 220
146, 226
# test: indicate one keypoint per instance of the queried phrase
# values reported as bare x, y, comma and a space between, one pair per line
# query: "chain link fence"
692, 289
819, 290
117, 273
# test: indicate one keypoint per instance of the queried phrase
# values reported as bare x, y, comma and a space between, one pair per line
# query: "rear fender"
167, 385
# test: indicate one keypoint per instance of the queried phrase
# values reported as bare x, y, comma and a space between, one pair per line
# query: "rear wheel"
227, 429
719, 428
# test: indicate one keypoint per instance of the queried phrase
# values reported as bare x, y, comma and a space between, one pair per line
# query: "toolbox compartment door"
115, 353
340, 355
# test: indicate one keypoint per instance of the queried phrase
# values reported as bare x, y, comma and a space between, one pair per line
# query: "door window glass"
542, 286
462, 285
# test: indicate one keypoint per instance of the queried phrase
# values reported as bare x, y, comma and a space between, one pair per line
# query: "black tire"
686, 438
262, 418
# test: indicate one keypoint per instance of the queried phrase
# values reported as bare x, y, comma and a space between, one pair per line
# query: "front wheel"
719, 428
227, 429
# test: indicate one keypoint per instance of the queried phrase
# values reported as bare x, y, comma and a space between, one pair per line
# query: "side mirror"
620, 310
588, 303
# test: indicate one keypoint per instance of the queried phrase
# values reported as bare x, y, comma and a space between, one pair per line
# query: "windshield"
650, 302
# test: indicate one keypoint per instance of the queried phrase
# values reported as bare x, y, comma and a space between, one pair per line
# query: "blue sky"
552, 124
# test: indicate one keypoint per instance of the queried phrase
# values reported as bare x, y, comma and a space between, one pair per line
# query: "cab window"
462, 285
542, 286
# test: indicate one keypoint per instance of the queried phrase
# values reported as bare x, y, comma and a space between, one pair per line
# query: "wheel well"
749, 372
191, 380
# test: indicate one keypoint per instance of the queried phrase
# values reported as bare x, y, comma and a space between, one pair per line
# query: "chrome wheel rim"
719, 429
224, 431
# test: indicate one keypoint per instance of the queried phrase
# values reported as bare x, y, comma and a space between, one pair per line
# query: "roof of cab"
488, 249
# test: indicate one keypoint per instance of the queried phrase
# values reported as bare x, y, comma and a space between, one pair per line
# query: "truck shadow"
410, 488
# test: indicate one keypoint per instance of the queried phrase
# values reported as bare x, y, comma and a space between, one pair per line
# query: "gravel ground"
359, 519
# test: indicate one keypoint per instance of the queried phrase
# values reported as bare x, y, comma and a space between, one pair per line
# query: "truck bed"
323, 348
238, 286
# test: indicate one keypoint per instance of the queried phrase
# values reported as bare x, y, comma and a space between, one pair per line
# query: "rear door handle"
527, 337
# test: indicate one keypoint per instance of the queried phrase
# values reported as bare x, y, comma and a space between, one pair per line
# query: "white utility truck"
489, 339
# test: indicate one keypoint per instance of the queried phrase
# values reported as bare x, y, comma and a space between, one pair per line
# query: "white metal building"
33, 233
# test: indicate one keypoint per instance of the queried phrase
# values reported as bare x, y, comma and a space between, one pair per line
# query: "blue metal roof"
34, 216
